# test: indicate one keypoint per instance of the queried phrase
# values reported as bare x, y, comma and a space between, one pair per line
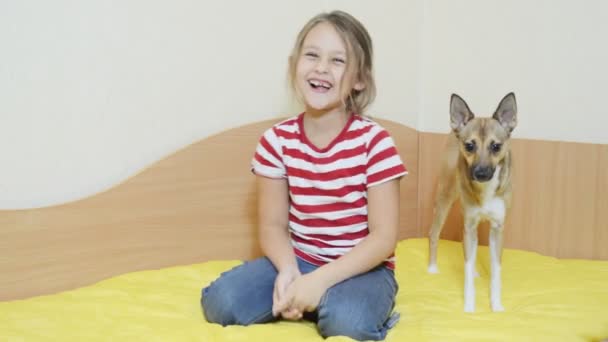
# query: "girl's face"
321, 70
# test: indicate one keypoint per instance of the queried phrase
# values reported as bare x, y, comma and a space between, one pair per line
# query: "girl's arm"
273, 219
273, 214
383, 222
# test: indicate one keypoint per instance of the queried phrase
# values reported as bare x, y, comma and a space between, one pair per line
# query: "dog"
476, 169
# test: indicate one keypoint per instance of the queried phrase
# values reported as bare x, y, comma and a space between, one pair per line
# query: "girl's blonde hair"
358, 62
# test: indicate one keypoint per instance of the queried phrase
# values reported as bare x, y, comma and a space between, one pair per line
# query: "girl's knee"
241, 296
229, 305
341, 323
218, 306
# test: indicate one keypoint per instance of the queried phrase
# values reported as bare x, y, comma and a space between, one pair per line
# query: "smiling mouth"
319, 85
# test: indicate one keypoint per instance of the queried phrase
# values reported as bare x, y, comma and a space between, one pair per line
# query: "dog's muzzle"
482, 173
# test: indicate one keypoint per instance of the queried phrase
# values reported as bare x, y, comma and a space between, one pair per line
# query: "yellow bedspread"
546, 299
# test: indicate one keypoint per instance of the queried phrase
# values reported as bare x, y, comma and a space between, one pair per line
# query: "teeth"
317, 83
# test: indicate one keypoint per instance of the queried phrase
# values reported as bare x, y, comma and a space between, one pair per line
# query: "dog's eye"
495, 147
469, 146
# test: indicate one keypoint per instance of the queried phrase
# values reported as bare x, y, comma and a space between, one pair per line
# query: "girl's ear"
359, 86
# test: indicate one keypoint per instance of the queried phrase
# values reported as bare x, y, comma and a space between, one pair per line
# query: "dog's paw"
433, 269
497, 307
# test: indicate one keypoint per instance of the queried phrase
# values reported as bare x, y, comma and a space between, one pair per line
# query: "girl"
328, 187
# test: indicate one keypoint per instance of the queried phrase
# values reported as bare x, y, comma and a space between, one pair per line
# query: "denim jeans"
359, 307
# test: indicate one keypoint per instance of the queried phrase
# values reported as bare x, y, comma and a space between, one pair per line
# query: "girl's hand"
303, 294
281, 283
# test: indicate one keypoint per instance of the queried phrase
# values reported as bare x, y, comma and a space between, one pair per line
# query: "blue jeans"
359, 307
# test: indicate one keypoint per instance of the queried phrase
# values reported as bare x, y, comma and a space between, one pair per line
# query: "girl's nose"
322, 65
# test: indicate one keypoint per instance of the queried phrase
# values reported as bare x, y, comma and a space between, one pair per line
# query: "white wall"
91, 92
552, 53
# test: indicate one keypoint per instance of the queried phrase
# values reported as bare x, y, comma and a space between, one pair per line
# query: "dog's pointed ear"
506, 113
460, 114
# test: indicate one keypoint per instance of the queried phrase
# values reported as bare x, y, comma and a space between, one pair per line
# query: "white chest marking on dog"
492, 207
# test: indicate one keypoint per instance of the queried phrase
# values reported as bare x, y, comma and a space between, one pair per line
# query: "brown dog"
476, 169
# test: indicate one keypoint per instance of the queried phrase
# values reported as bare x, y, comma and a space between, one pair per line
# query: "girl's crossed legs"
359, 307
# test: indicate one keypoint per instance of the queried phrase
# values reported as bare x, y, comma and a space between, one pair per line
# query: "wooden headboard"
195, 205
199, 204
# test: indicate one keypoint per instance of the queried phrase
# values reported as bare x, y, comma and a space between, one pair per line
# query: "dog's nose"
482, 173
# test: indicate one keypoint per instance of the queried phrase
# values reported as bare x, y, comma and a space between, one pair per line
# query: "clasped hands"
295, 294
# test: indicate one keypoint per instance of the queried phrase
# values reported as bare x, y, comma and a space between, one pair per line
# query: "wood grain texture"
560, 197
196, 205
199, 204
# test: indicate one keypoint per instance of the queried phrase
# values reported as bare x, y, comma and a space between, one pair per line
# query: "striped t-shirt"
328, 186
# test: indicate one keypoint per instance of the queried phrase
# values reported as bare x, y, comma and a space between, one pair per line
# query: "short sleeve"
268, 158
383, 160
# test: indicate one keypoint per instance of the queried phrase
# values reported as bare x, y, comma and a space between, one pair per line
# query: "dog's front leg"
442, 207
495, 261
470, 254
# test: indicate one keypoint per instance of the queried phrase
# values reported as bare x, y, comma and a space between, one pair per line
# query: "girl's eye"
339, 61
311, 54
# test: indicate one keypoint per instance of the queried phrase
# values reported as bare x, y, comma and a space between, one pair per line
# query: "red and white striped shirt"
328, 187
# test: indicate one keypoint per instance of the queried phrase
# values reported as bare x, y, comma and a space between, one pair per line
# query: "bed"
129, 263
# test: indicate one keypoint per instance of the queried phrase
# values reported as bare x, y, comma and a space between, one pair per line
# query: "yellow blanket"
546, 299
